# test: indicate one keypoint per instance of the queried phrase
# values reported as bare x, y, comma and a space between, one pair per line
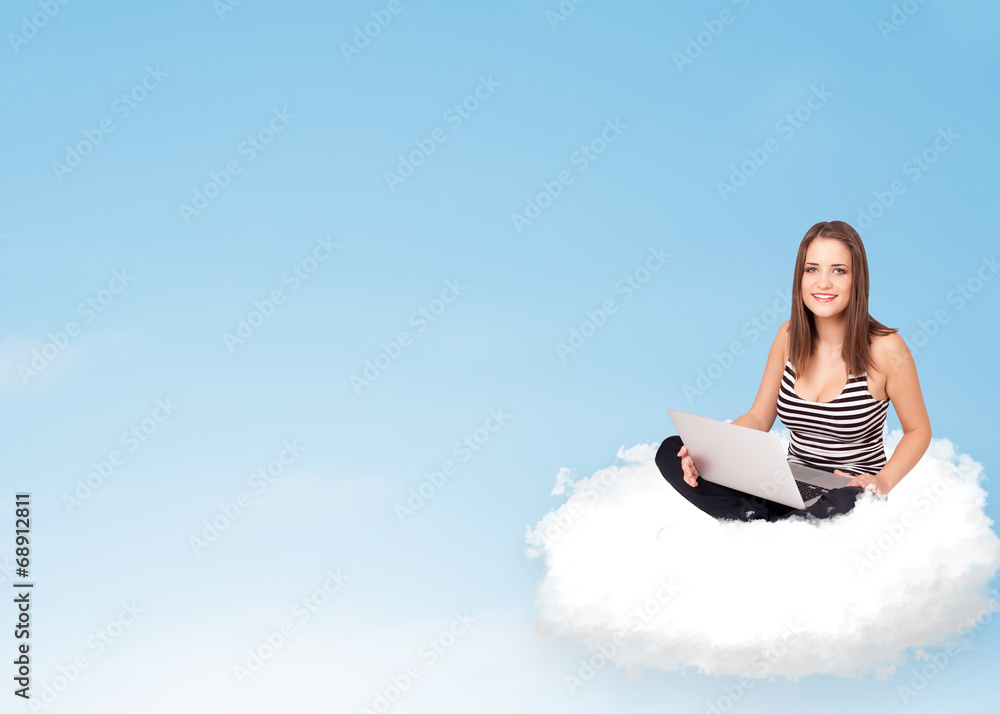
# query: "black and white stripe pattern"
844, 434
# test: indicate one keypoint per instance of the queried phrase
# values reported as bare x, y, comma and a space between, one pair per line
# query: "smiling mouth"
823, 297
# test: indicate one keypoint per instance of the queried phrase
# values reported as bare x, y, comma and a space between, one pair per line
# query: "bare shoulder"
890, 352
782, 338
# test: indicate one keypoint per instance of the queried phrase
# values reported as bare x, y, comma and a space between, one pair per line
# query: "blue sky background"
494, 347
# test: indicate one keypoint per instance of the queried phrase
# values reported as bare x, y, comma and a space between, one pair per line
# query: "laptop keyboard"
807, 490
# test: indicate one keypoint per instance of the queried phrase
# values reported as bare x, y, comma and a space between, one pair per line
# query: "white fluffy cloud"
648, 580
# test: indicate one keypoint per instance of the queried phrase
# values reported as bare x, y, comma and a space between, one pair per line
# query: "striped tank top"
844, 434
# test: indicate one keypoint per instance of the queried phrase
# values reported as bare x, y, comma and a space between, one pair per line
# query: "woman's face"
826, 277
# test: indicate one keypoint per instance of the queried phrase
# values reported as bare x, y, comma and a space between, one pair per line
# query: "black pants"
723, 502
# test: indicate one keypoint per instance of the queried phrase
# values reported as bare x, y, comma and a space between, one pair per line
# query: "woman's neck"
830, 333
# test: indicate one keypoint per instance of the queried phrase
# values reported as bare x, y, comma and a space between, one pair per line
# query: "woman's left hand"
864, 481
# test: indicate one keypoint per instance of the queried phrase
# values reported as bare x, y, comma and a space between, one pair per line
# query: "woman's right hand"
690, 470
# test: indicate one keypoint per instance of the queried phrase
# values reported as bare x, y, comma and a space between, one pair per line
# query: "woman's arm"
903, 388
765, 407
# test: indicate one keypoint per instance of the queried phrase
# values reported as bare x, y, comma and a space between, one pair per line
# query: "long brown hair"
860, 326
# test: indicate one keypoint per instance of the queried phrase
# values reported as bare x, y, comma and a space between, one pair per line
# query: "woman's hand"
687, 463
865, 481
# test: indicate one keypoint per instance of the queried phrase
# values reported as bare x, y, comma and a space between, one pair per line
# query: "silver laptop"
751, 461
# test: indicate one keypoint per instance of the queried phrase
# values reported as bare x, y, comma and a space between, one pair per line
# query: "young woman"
830, 375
